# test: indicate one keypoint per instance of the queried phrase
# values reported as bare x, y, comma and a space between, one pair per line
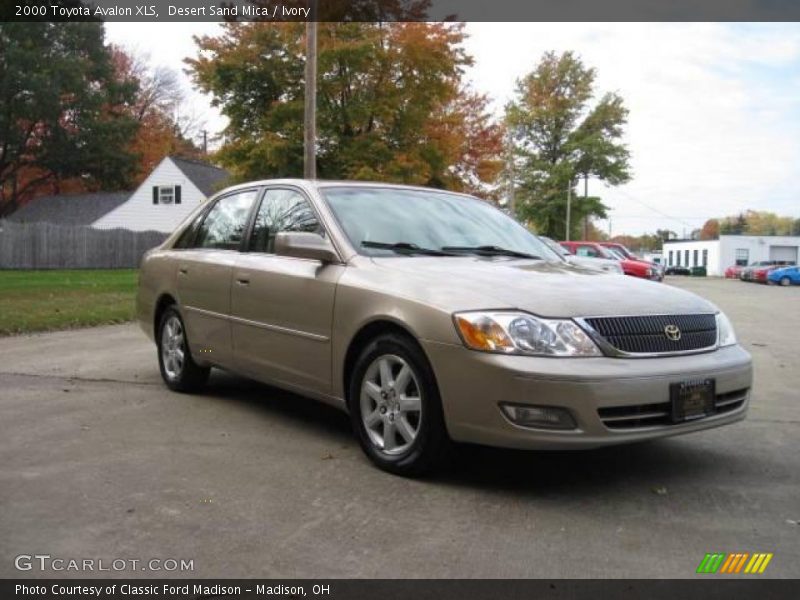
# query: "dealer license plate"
692, 399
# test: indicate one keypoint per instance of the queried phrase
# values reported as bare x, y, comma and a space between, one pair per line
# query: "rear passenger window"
225, 223
186, 239
586, 251
281, 210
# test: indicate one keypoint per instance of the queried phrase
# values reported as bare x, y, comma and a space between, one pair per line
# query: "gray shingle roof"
69, 209
206, 177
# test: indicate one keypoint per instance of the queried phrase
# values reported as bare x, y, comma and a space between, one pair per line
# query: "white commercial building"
718, 255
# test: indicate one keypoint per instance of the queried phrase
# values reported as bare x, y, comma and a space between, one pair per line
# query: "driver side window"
281, 210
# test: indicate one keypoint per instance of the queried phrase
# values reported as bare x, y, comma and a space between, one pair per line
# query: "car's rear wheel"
178, 369
786, 281
395, 407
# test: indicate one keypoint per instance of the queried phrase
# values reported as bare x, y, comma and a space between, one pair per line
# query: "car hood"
547, 289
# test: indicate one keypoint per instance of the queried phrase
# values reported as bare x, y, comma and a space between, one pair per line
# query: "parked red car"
760, 275
733, 272
635, 268
622, 249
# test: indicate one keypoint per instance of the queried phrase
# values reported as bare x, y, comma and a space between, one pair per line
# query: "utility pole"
310, 126
585, 206
205, 142
569, 200
512, 196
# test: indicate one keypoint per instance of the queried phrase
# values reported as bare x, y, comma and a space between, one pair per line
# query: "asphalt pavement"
98, 460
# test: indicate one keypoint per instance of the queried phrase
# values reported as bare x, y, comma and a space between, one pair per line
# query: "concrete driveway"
98, 460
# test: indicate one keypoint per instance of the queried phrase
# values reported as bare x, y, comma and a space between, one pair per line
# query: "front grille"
637, 416
647, 334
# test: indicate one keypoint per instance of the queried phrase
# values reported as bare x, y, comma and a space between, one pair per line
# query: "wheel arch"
365, 334
164, 301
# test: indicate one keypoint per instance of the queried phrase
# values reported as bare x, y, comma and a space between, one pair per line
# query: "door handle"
183, 271
243, 281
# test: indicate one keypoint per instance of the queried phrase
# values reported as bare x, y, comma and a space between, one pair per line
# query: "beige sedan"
432, 318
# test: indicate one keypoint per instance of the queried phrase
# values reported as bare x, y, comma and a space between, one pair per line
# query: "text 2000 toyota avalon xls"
432, 317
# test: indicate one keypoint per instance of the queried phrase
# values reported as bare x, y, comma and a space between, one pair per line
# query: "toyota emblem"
672, 332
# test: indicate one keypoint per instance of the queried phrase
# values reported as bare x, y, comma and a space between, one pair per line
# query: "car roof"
309, 184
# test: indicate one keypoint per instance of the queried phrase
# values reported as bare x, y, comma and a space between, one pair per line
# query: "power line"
655, 210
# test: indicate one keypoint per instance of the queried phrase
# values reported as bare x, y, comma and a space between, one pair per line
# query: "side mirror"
305, 245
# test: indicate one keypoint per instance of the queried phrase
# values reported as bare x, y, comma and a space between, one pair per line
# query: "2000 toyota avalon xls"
432, 317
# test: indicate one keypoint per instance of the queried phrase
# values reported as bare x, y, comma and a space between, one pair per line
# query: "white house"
718, 255
174, 188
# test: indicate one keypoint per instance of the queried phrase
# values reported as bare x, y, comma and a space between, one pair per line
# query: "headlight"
521, 333
725, 333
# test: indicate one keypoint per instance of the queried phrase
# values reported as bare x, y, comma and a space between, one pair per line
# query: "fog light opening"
539, 417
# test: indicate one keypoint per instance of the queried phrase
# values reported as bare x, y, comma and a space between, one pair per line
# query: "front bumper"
473, 384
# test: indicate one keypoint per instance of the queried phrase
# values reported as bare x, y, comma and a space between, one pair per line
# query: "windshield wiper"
406, 247
490, 251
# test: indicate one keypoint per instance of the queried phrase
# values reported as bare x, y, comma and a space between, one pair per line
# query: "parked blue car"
785, 276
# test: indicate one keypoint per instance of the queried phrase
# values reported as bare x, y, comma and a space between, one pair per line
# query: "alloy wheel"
173, 347
391, 404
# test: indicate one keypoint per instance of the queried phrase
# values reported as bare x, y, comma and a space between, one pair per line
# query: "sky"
714, 123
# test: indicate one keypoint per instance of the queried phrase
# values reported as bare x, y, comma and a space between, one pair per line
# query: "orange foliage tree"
391, 103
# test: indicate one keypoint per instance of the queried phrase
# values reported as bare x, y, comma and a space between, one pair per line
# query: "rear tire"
785, 281
178, 369
395, 408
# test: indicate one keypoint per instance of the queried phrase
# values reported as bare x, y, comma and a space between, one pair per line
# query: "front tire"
785, 281
178, 369
395, 408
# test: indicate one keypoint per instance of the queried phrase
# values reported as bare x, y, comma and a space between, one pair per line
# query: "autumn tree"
391, 103
164, 127
710, 230
558, 136
753, 222
62, 113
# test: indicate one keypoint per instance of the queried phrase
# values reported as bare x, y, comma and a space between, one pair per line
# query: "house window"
705, 258
678, 254
166, 194
671, 262
686, 256
742, 257
695, 259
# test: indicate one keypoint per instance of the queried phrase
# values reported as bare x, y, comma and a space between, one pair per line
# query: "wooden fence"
51, 246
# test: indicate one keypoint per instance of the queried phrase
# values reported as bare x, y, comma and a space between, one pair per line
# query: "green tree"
558, 137
666, 234
62, 112
733, 225
391, 103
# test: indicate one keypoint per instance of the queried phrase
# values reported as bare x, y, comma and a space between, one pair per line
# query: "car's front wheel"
395, 407
178, 369
786, 281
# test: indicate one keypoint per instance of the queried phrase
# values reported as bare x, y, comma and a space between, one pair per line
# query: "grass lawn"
45, 300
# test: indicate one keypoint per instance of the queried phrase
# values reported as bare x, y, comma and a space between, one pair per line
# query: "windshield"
622, 251
615, 253
426, 220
